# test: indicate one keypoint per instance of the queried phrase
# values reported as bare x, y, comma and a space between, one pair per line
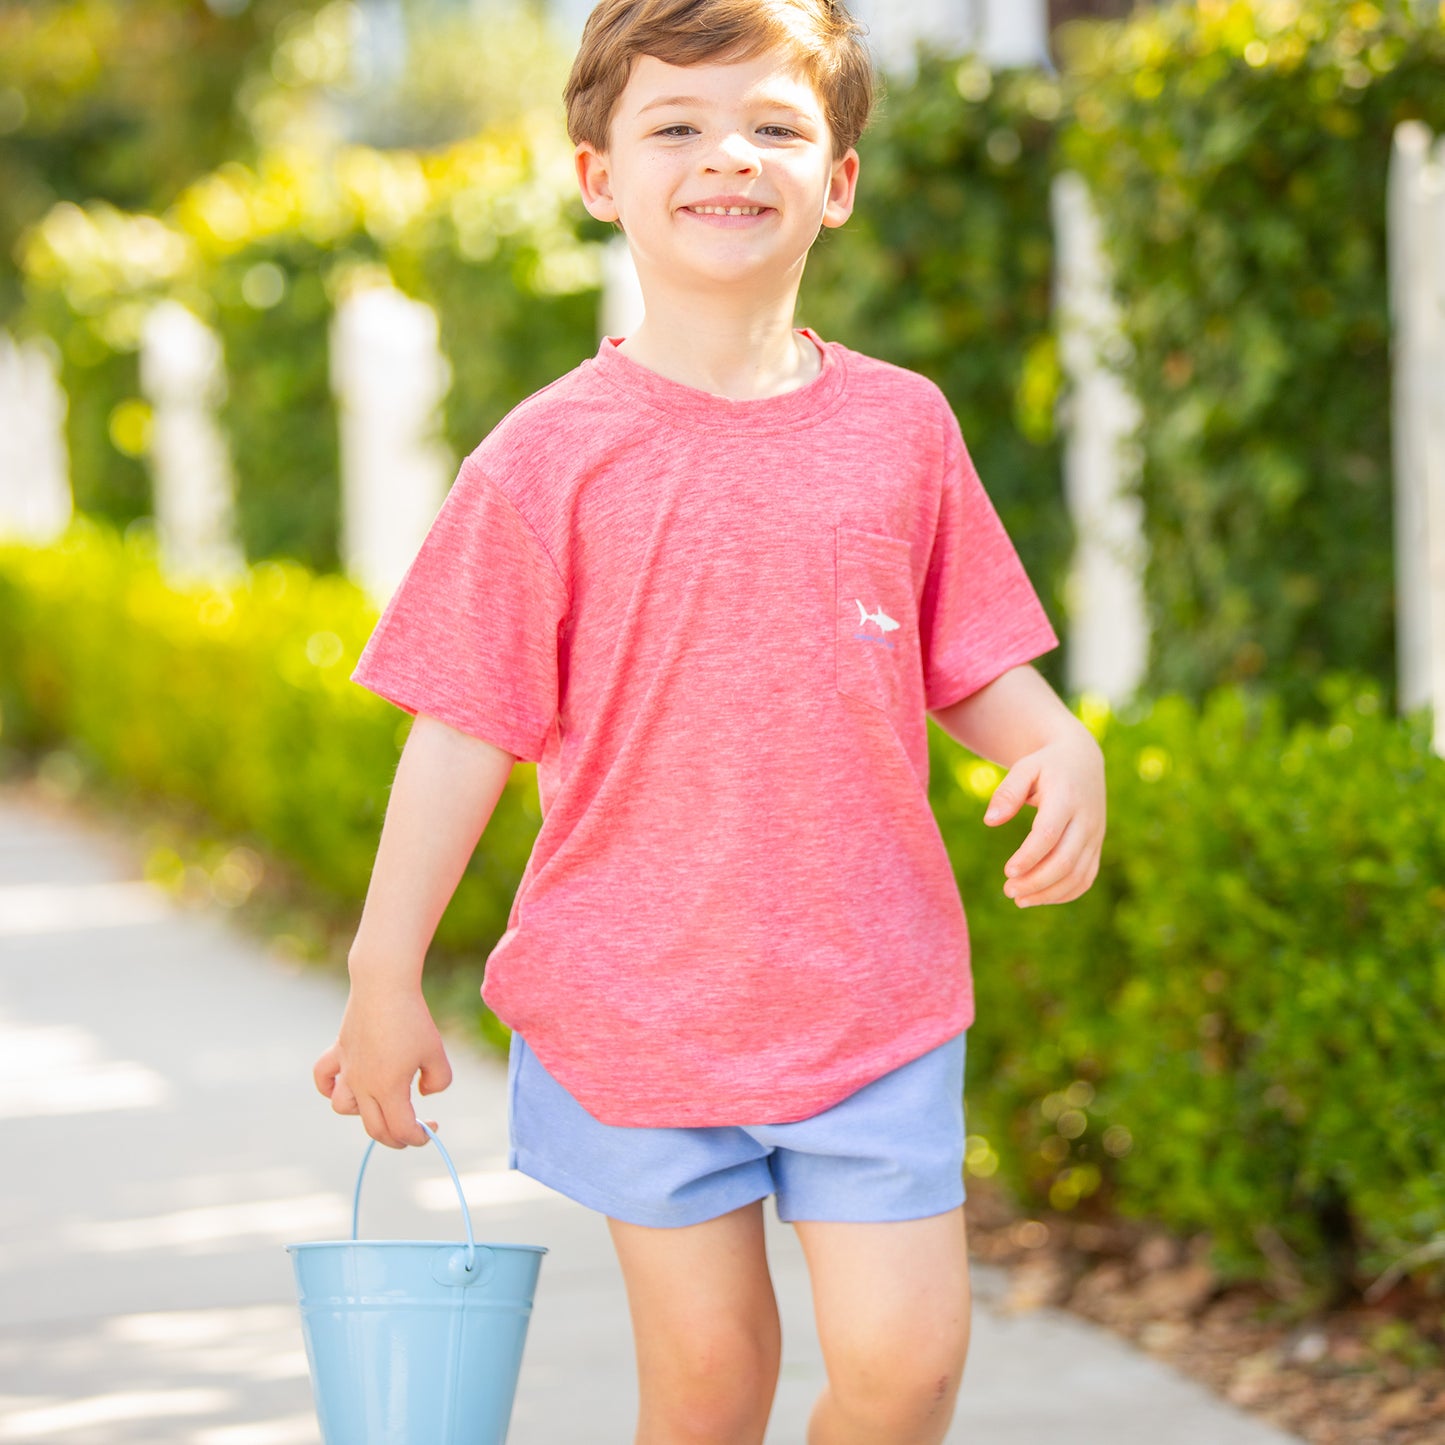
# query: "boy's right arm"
446, 787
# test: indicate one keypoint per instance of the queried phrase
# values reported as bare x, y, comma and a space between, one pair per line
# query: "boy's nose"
735, 151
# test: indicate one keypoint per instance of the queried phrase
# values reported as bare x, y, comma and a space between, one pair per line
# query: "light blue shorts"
891, 1150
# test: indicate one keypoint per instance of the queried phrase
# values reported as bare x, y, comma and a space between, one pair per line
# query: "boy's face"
685, 136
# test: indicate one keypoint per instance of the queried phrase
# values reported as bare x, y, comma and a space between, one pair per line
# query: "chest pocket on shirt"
876, 617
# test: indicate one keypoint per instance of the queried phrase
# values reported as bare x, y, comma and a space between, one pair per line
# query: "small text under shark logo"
884, 623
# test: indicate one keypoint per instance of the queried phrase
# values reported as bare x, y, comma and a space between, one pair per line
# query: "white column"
1417, 309
1005, 33
182, 374
389, 379
1015, 33
894, 28
621, 309
1108, 636
35, 499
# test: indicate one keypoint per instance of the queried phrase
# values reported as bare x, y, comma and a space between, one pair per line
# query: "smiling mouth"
728, 210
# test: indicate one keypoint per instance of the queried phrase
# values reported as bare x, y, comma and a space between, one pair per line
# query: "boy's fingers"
1050, 825
1049, 850
1070, 886
1013, 792
401, 1122
325, 1070
436, 1075
1057, 868
375, 1123
343, 1101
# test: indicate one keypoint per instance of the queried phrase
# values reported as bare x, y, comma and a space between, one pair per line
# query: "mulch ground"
1357, 1374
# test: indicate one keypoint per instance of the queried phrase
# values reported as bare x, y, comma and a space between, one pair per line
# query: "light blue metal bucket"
414, 1342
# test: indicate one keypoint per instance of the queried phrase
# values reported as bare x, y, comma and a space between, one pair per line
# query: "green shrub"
123, 101
1237, 1029
1237, 152
237, 700
487, 231
1238, 155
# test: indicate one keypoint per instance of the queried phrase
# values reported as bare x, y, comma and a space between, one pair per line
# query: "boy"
712, 581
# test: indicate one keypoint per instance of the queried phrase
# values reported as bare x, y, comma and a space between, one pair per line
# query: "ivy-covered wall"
1237, 151
1238, 154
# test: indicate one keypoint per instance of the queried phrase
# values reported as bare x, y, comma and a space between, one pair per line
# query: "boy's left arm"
1054, 763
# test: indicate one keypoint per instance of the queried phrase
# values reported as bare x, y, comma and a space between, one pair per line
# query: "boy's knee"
897, 1407
898, 1382
713, 1387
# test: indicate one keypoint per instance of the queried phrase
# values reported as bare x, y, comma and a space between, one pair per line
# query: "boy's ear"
594, 179
842, 189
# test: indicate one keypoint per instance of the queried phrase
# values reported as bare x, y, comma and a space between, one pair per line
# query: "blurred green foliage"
1238, 155
124, 101
272, 304
1237, 1029
490, 232
1237, 152
262, 243
263, 728
468, 68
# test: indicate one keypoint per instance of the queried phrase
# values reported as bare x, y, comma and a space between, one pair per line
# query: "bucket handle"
451, 1169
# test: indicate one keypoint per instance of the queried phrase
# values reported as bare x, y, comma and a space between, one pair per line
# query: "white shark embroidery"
884, 621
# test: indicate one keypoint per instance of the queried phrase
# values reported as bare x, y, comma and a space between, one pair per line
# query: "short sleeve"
979, 614
471, 634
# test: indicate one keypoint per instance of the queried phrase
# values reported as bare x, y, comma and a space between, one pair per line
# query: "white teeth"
725, 210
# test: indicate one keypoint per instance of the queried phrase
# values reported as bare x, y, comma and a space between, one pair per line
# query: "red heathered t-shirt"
717, 626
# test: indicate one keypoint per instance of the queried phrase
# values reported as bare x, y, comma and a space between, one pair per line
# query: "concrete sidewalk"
160, 1139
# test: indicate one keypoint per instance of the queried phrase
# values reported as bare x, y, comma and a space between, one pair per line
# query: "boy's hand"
386, 1036
1064, 780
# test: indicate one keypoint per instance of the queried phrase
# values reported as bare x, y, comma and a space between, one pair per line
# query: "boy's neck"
737, 353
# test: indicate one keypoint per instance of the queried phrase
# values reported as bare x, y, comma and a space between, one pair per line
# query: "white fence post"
389, 378
1015, 33
182, 374
1004, 33
1108, 633
1417, 311
35, 499
894, 27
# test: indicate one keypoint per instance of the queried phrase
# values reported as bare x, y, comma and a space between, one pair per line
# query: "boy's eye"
669, 130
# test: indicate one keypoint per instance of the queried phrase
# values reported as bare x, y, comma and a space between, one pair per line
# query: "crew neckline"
804, 406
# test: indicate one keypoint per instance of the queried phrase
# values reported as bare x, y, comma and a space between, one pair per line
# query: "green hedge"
487, 231
126, 101
237, 701
1237, 1029
1238, 154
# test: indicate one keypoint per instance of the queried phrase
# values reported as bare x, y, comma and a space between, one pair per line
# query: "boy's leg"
893, 1307
705, 1323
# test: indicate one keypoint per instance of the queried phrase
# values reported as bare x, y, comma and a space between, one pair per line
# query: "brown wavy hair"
824, 42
